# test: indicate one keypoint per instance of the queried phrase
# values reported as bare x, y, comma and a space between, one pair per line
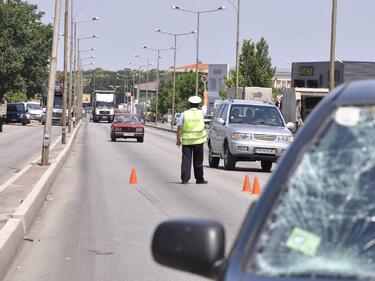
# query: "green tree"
25, 44
255, 68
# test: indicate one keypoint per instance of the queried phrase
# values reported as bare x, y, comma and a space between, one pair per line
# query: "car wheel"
266, 165
229, 159
24, 123
212, 160
141, 139
113, 138
1, 126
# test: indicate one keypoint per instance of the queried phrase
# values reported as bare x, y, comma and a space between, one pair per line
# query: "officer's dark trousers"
190, 152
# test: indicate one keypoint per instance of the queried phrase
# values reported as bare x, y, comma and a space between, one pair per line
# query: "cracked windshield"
187, 140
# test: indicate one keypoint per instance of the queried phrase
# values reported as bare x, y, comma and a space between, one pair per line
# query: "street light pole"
51, 86
65, 91
237, 49
71, 67
198, 25
175, 35
333, 46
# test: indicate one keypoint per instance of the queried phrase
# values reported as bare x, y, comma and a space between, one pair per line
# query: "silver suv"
243, 130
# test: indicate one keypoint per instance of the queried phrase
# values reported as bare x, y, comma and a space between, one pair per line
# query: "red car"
127, 125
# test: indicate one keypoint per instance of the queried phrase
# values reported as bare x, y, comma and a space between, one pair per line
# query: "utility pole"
333, 46
75, 76
71, 68
174, 80
148, 70
51, 86
197, 58
65, 92
157, 89
236, 95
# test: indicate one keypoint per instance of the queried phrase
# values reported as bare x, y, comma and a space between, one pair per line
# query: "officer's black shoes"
202, 182
184, 182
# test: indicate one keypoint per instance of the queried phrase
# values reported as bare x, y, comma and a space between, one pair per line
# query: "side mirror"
220, 121
195, 246
291, 126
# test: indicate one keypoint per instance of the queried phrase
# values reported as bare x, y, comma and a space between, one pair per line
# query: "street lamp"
158, 51
333, 46
237, 9
175, 35
147, 73
198, 13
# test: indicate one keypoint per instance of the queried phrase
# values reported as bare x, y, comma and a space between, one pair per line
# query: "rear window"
324, 224
128, 118
15, 107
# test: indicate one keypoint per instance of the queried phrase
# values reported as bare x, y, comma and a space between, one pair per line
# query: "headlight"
22, 115
139, 130
118, 129
285, 138
242, 136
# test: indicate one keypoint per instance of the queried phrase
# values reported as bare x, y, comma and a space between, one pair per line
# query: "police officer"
191, 133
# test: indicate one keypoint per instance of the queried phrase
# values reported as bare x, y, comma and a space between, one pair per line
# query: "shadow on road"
240, 169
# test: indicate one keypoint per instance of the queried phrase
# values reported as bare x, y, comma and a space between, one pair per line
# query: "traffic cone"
246, 185
133, 177
256, 188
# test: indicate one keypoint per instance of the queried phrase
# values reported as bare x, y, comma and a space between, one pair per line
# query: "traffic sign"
204, 78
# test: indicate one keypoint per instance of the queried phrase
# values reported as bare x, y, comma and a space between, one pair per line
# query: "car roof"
247, 102
356, 93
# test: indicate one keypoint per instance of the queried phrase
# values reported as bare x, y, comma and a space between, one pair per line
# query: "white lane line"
25, 169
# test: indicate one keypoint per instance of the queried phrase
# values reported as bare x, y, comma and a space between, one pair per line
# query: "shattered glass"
324, 223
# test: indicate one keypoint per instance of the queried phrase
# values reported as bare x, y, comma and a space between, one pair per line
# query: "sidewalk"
22, 198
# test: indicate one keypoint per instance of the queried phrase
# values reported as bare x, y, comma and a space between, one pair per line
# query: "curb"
15, 229
161, 128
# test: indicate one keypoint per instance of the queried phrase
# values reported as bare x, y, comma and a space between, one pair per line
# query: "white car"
34, 110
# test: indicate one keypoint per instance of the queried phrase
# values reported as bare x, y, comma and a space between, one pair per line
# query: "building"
282, 78
316, 74
202, 68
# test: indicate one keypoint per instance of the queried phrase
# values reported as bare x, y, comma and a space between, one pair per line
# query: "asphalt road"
95, 226
19, 146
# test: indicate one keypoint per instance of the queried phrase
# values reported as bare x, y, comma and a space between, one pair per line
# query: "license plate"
13, 120
265, 150
128, 134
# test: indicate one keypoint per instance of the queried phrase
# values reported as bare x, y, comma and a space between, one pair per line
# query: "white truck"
104, 106
297, 103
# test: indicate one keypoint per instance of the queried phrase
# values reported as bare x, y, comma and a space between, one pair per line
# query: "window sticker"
303, 241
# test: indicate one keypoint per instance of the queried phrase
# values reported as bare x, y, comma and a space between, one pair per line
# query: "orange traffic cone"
256, 188
133, 177
246, 185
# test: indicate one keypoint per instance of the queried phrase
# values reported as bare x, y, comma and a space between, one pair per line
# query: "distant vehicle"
244, 130
104, 106
167, 118
3, 113
127, 125
17, 113
315, 218
57, 107
35, 110
297, 103
177, 118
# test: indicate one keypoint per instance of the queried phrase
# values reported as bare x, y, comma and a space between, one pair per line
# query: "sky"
296, 30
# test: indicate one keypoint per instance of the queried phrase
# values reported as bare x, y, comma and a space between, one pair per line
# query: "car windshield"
324, 224
128, 119
58, 101
255, 115
16, 107
102, 104
34, 106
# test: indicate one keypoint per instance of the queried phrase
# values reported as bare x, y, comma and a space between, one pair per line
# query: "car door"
213, 129
221, 128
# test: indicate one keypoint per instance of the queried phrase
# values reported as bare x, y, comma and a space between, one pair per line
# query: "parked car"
34, 110
314, 220
17, 113
244, 130
127, 125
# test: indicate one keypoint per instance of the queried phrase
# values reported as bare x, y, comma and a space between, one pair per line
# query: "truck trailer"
104, 106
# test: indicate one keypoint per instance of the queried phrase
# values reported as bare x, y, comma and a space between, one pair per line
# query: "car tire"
141, 139
24, 123
1, 126
113, 138
212, 161
229, 159
266, 165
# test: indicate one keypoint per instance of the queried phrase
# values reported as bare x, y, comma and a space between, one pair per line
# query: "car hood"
35, 111
127, 125
260, 129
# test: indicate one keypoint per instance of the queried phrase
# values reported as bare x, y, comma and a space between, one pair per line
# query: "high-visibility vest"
193, 130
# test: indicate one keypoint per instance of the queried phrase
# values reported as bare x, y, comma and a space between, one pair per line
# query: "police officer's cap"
195, 99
